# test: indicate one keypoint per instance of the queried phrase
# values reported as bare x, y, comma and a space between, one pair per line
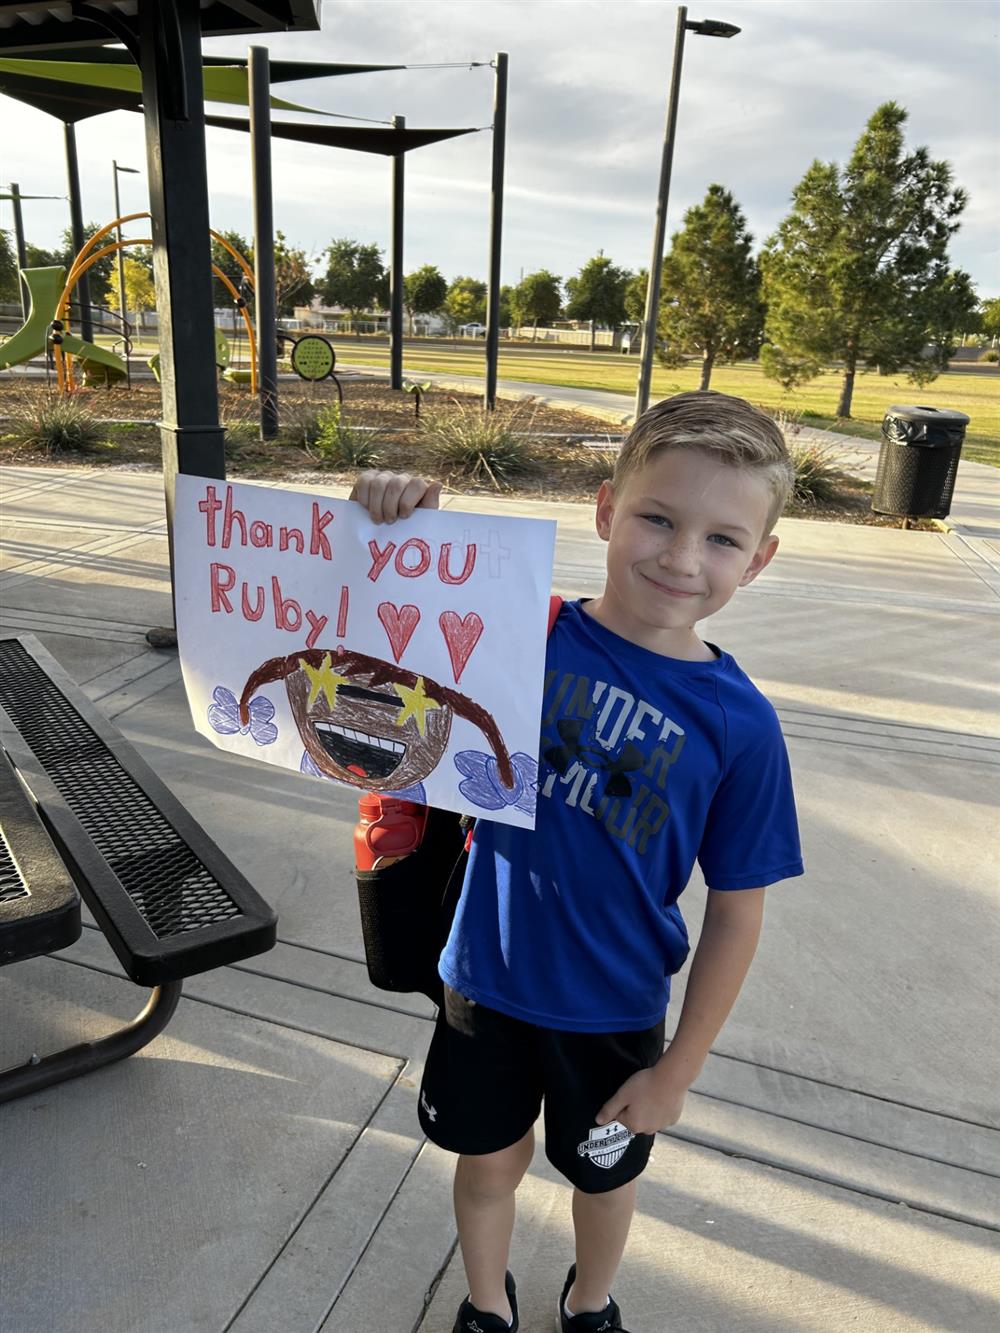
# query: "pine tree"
710, 293
858, 272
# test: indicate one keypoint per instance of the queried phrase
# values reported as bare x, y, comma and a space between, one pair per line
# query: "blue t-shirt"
646, 764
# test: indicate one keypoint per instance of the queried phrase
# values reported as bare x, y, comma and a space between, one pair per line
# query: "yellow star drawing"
415, 704
322, 680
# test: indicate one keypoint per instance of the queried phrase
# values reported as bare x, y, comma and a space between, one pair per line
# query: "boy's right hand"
391, 495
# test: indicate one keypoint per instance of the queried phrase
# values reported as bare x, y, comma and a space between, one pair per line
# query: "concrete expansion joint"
827, 1178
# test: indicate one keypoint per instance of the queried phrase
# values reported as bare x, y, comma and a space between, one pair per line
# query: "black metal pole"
173, 103
22, 257
121, 279
656, 263
76, 226
396, 270
496, 229
258, 68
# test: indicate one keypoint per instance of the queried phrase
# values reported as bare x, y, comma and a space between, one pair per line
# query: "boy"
656, 750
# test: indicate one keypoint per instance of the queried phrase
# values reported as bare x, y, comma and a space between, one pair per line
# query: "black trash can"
918, 461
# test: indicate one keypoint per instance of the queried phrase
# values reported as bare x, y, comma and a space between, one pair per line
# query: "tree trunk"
534, 331
847, 388
707, 362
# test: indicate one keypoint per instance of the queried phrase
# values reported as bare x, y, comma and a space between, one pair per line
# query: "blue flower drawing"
224, 716
482, 786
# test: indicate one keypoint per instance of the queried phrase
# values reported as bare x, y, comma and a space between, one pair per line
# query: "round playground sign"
313, 357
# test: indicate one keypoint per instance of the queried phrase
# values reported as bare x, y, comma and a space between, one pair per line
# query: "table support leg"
20, 1080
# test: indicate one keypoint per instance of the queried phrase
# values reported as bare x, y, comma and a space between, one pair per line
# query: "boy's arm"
654, 1098
391, 495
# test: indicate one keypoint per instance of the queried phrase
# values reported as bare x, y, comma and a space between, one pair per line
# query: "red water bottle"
387, 830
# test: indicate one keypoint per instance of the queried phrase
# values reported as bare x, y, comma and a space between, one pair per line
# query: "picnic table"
82, 815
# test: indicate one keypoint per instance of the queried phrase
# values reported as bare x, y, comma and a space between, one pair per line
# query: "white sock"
570, 1314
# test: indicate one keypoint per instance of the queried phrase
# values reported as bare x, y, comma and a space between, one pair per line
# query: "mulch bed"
565, 469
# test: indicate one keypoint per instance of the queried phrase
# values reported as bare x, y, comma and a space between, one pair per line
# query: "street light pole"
707, 28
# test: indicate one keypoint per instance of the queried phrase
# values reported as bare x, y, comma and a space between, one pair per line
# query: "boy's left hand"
645, 1103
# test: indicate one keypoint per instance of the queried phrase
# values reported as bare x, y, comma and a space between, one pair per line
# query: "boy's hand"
391, 495
646, 1103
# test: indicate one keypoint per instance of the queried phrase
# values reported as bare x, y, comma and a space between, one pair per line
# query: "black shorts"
488, 1075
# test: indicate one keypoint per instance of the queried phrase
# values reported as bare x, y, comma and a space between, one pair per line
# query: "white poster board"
403, 657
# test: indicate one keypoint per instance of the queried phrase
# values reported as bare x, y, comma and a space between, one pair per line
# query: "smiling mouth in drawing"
369, 756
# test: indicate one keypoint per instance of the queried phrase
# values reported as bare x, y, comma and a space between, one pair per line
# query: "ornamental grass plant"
55, 423
464, 440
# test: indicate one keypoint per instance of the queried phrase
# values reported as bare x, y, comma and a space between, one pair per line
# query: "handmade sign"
403, 658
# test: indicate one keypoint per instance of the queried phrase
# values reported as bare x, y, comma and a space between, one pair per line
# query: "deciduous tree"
537, 299
8, 269
858, 272
222, 298
989, 313
465, 302
710, 293
424, 291
598, 292
140, 294
355, 277
635, 296
293, 284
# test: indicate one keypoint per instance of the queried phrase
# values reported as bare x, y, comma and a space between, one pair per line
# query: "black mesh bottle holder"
407, 908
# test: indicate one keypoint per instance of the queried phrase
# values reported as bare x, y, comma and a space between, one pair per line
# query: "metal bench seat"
39, 904
168, 901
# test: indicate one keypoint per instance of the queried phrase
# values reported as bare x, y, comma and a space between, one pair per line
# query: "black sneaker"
471, 1320
608, 1320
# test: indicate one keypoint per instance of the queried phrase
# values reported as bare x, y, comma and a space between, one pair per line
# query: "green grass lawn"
975, 393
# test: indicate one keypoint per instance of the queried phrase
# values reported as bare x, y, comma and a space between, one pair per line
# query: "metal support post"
396, 269
76, 222
22, 258
192, 439
258, 68
496, 229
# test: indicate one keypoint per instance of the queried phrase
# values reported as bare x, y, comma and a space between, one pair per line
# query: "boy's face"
683, 533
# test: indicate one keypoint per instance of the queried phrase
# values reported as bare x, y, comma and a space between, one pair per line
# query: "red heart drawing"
399, 622
461, 636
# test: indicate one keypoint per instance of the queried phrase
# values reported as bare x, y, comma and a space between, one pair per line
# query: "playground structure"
47, 325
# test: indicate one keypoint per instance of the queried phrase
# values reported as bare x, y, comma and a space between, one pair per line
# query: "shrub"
55, 422
338, 444
466, 440
991, 354
818, 471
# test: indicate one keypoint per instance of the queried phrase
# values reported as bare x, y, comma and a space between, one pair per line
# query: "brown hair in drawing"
371, 723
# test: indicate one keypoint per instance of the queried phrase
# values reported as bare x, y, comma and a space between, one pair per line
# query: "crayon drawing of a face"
371, 723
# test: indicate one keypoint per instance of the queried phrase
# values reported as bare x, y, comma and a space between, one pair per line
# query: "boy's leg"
601, 1223
484, 1211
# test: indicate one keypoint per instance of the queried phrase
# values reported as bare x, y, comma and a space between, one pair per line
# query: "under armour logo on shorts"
606, 1145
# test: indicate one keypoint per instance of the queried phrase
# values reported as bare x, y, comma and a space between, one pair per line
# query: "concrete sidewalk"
259, 1168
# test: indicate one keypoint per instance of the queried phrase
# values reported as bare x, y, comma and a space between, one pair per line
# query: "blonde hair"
730, 429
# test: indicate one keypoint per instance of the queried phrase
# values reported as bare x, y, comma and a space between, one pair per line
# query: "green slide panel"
90, 352
45, 286
44, 289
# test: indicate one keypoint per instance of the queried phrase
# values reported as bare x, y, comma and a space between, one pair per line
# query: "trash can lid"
944, 416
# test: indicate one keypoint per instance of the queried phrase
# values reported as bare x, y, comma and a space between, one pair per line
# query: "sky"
588, 84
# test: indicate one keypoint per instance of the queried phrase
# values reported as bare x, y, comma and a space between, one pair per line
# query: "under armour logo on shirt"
429, 1110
